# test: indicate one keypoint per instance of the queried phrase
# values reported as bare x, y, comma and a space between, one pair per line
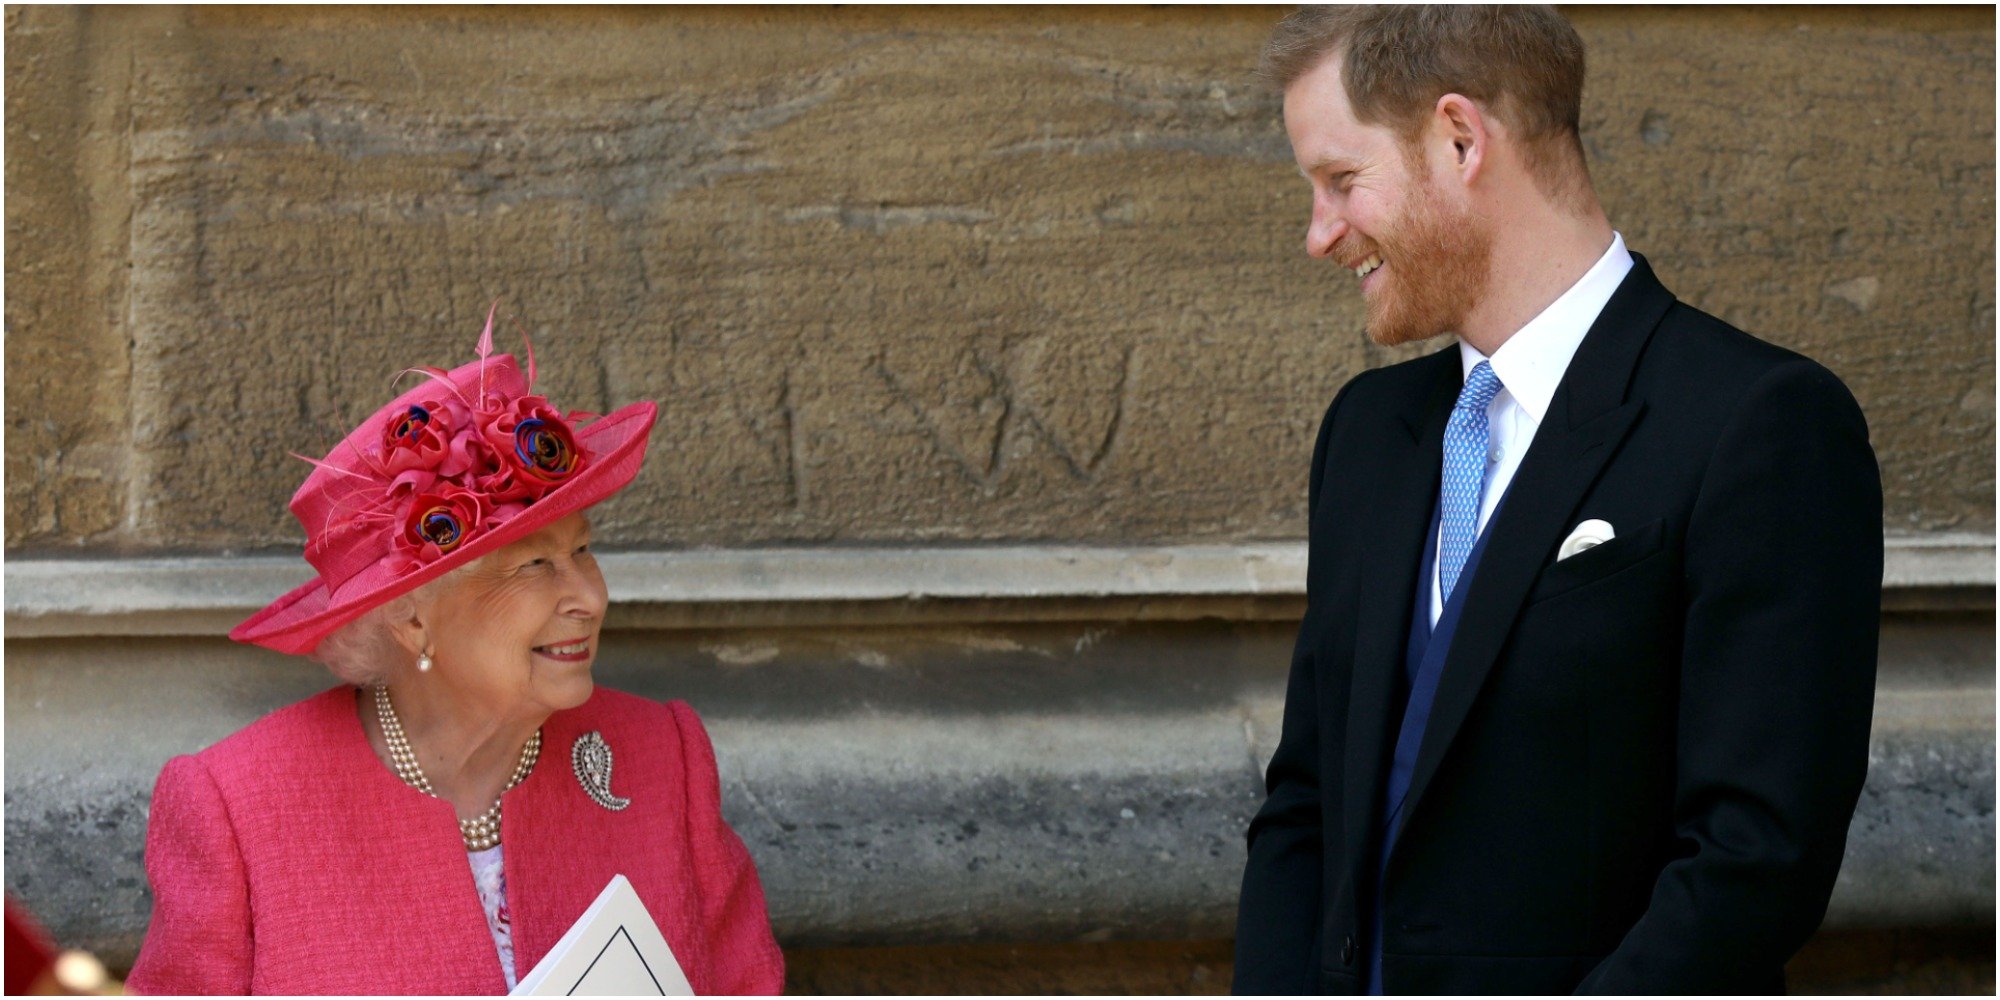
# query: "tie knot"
1480, 387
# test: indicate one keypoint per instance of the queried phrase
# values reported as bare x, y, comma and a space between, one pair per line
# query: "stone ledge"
793, 587
1045, 781
1070, 826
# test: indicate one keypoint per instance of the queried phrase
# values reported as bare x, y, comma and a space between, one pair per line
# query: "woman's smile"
569, 652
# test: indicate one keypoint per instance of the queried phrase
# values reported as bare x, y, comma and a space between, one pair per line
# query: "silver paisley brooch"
590, 758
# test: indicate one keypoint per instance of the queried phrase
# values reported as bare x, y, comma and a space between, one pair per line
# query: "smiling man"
1582, 694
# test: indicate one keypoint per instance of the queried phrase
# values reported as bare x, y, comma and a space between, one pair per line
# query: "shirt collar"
1530, 364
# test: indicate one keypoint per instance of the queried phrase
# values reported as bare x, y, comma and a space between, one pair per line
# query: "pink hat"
454, 469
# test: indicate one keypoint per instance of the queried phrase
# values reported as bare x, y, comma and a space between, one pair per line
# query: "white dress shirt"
1530, 364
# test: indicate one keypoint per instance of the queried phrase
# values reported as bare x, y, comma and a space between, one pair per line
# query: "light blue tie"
1464, 475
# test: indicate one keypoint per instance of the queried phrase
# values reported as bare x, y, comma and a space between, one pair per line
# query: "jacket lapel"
1586, 423
1404, 490
399, 868
561, 847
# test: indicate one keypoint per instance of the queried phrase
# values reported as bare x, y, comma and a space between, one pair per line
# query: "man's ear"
1458, 126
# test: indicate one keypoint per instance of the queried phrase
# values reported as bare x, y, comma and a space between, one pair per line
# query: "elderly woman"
408, 831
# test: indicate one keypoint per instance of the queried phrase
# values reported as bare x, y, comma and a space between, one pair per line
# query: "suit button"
1347, 951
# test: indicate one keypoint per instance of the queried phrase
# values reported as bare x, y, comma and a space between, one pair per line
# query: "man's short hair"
1521, 63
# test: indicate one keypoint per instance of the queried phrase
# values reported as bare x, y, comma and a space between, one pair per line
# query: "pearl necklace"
481, 831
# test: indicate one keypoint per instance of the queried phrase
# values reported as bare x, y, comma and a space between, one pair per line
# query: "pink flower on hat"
426, 435
439, 521
536, 448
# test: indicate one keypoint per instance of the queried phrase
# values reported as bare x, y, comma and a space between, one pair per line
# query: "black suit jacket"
1642, 760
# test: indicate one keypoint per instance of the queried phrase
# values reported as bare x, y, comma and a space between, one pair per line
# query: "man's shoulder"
1394, 387
1700, 361
1371, 403
1690, 335
1416, 376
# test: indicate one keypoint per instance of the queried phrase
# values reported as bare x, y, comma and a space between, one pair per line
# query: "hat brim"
297, 622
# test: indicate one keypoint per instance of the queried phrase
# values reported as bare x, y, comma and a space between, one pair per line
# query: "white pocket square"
1589, 534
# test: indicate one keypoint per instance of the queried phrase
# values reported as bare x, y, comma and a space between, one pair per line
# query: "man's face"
1420, 257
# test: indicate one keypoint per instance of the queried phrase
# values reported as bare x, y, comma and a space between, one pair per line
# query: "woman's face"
518, 632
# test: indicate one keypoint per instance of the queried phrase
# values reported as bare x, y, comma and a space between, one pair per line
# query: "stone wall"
895, 275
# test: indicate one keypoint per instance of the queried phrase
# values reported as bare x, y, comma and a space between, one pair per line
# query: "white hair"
365, 651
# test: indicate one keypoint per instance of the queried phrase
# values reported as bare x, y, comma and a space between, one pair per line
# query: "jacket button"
1347, 951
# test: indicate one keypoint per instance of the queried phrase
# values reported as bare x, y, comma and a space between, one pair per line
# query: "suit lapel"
1404, 489
1586, 423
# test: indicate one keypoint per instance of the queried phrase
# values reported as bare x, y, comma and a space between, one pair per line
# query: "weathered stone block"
895, 275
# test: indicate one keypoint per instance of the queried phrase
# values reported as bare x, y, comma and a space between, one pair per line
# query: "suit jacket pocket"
1596, 563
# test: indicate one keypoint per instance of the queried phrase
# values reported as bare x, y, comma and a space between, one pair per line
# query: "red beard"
1435, 270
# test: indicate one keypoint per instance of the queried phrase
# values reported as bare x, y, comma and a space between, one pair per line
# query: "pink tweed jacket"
288, 859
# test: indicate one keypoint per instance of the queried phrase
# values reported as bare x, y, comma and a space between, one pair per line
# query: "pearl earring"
424, 662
